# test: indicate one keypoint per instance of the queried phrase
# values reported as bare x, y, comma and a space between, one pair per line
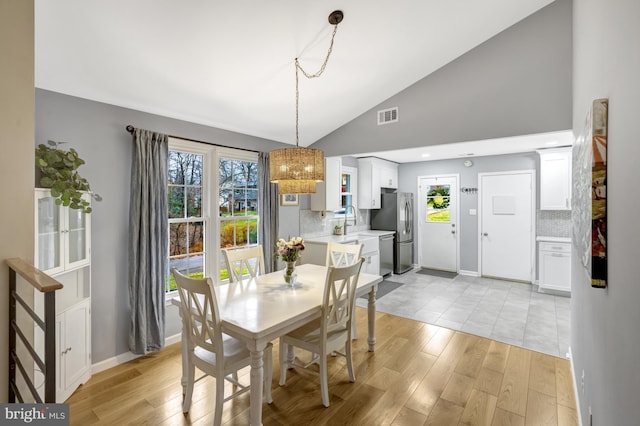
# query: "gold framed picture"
289, 199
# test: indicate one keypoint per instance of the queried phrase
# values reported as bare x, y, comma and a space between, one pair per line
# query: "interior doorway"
438, 214
506, 203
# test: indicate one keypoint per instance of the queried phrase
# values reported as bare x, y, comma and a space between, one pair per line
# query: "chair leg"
186, 402
268, 374
352, 375
217, 417
283, 362
324, 383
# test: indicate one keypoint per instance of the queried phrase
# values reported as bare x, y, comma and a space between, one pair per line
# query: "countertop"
553, 239
355, 236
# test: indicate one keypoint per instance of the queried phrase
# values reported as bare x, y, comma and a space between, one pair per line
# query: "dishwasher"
386, 254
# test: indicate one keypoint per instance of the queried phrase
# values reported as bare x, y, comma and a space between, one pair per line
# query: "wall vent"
387, 116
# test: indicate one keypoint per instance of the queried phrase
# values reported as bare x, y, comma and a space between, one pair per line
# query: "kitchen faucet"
355, 221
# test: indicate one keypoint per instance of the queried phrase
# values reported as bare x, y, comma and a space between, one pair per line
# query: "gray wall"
468, 225
604, 337
516, 83
97, 132
16, 145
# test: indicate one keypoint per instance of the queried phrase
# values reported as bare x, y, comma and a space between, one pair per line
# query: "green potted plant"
58, 171
337, 230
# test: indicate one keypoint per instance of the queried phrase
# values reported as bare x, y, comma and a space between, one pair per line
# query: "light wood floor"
420, 374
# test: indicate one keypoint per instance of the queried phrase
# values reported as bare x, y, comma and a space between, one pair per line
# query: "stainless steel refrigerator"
396, 214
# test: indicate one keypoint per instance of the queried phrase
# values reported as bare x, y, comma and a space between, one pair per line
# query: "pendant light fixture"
297, 170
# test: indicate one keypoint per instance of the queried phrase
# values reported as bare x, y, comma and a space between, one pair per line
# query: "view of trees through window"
187, 227
191, 204
238, 205
438, 200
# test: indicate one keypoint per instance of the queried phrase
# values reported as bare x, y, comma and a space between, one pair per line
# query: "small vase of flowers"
289, 252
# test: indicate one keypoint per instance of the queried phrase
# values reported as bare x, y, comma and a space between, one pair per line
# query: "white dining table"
259, 310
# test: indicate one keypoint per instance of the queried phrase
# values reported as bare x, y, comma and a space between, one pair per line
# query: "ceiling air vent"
387, 116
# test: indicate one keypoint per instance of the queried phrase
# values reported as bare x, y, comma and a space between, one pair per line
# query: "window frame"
240, 155
210, 192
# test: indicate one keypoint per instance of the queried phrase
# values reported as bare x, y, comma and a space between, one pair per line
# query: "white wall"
16, 145
605, 340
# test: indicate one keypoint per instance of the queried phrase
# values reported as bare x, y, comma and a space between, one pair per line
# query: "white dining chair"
342, 254
243, 261
329, 333
208, 348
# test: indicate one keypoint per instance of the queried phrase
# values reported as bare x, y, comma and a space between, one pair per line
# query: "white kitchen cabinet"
554, 266
63, 235
339, 189
371, 254
555, 179
371, 263
375, 174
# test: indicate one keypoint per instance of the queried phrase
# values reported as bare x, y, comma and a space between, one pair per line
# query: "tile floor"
506, 311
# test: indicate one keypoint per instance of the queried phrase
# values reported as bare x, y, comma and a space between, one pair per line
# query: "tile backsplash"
318, 224
554, 223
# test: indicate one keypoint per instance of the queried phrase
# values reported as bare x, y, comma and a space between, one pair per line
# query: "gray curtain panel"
148, 240
268, 210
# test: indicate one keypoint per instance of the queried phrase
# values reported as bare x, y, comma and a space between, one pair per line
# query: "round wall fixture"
468, 163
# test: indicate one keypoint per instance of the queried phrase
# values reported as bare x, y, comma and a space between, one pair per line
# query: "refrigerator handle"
409, 216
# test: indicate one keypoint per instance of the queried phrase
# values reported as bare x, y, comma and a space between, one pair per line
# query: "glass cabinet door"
49, 239
77, 234
62, 235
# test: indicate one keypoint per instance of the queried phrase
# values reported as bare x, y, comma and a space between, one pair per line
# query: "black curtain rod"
131, 129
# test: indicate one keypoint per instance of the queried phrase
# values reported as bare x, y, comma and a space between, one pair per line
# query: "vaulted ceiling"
230, 64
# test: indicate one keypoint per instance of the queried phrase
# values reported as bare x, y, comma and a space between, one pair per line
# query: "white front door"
438, 222
507, 224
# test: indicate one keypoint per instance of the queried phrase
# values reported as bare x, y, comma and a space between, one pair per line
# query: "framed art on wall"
589, 209
289, 200
599, 193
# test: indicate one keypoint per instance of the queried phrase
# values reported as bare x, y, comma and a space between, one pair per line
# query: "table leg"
371, 313
256, 377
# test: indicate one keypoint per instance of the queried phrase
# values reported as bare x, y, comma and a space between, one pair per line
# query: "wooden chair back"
244, 261
342, 254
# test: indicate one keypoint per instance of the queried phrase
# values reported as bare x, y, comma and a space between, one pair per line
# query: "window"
193, 207
438, 200
187, 223
237, 205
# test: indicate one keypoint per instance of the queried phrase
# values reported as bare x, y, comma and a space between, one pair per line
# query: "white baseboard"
468, 273
575, 387
127, 356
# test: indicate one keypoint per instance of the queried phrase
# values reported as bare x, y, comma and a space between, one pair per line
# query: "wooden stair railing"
48, 286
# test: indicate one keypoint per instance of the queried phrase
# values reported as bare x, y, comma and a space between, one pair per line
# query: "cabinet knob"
486, 234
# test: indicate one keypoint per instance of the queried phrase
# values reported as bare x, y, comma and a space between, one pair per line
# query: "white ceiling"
481, 148
229, 64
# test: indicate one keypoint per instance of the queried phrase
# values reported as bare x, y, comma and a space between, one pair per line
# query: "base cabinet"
73, 349
554, 262
371, 263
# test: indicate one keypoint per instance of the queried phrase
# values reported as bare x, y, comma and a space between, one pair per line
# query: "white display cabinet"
63, 251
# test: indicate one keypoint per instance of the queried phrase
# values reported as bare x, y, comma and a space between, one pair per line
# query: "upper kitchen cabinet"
339, 189
555, 179
375, 174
